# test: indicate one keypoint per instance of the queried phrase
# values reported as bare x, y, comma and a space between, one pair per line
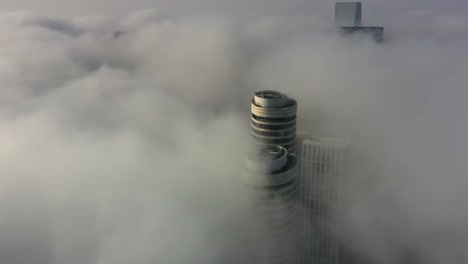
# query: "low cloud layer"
120, 148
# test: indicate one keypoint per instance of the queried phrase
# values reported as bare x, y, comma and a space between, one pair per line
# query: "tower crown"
270, 99
274, 120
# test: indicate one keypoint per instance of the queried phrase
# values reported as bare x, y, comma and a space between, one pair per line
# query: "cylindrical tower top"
270, 99
274, 119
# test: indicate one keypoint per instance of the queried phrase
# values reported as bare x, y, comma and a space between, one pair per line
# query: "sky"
128, 149
191, 7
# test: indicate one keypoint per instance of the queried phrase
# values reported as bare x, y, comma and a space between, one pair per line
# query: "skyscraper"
270, 180
348, 21
322, 161
274, 120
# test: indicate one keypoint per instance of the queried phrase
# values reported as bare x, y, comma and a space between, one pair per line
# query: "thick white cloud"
118, 149
105, 160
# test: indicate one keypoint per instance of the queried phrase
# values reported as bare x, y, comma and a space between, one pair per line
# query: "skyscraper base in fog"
290, 218
270, 181
322, 163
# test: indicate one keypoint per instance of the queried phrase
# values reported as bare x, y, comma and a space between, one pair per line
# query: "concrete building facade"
322, 163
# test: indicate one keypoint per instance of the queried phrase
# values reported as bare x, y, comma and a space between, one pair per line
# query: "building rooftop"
270, 94
329, 142
272, 99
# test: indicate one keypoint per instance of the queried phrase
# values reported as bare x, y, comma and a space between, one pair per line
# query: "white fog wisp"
128, 149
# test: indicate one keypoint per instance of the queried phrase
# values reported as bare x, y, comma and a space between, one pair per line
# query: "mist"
128, 148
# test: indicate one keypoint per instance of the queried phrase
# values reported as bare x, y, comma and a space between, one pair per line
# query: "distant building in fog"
348, 21
376, 33
322, 164
348, 14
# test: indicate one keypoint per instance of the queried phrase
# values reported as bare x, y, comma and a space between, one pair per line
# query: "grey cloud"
372, 8
128, 149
